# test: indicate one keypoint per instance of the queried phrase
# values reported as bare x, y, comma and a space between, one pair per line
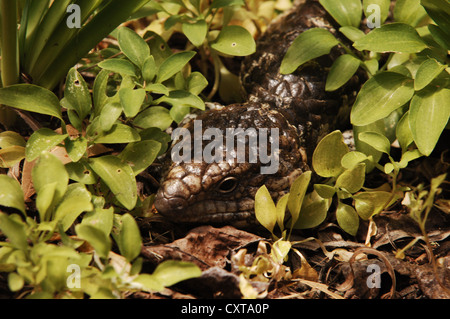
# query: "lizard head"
223, 158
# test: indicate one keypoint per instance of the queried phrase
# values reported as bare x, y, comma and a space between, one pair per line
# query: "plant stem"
10, 55
217, 65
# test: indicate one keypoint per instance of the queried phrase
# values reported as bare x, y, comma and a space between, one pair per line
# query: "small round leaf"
347, 218
234, 40
328, 153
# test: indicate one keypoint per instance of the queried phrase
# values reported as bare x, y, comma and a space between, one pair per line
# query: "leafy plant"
404, 99
406, 62
86, 196
44, 48
134, 115
419, 203
346, 172
212, 36
306, 210
43, 269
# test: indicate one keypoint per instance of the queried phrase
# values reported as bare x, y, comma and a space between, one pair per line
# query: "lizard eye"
228, 184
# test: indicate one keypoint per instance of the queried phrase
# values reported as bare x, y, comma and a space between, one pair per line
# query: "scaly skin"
296, 104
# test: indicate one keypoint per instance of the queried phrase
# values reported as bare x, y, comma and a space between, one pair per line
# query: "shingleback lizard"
297, 104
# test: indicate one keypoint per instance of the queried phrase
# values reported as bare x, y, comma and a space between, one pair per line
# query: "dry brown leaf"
206, 246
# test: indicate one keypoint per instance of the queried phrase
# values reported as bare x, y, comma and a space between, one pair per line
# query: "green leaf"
347, 218
308, 45
15, 282
409, 11
371, 203
325, 191
195, 32
95, 237
428, 116
140, 155
41, 141
439, 11
403, 132
376, 140
341, 71
174, 64
77, 95
109, 115
118, 176
172, 20
49, 169
345, 12
351, 159
129, 238
383, 5
11, 156
31, 98
409, 156
119, 133
297, 194
11, 194
156, 134
380, 96
281, 210
312, 215
131, 100
120, 66
10, 138
401, 69
158, 47
388, 168
99, 90
170, 272
265, 210
369, 151
328, 153
76, 200
15, 230
183, 98
149, 283
179, 112
100, 218
372, 66
78, 172
352, 180
427, 72
44, 201
157, 88
155, 116
394, 37
234, 40
196, 83
76, 147
149, 69
442, 38
133, 46
352, 33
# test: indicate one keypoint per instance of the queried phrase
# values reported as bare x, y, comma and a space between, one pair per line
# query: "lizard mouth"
179, 210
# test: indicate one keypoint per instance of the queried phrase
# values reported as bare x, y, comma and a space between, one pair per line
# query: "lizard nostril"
166, 205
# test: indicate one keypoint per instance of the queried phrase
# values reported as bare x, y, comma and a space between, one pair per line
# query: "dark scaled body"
297, 104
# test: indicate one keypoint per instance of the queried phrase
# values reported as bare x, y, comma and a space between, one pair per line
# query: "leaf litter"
317, 263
